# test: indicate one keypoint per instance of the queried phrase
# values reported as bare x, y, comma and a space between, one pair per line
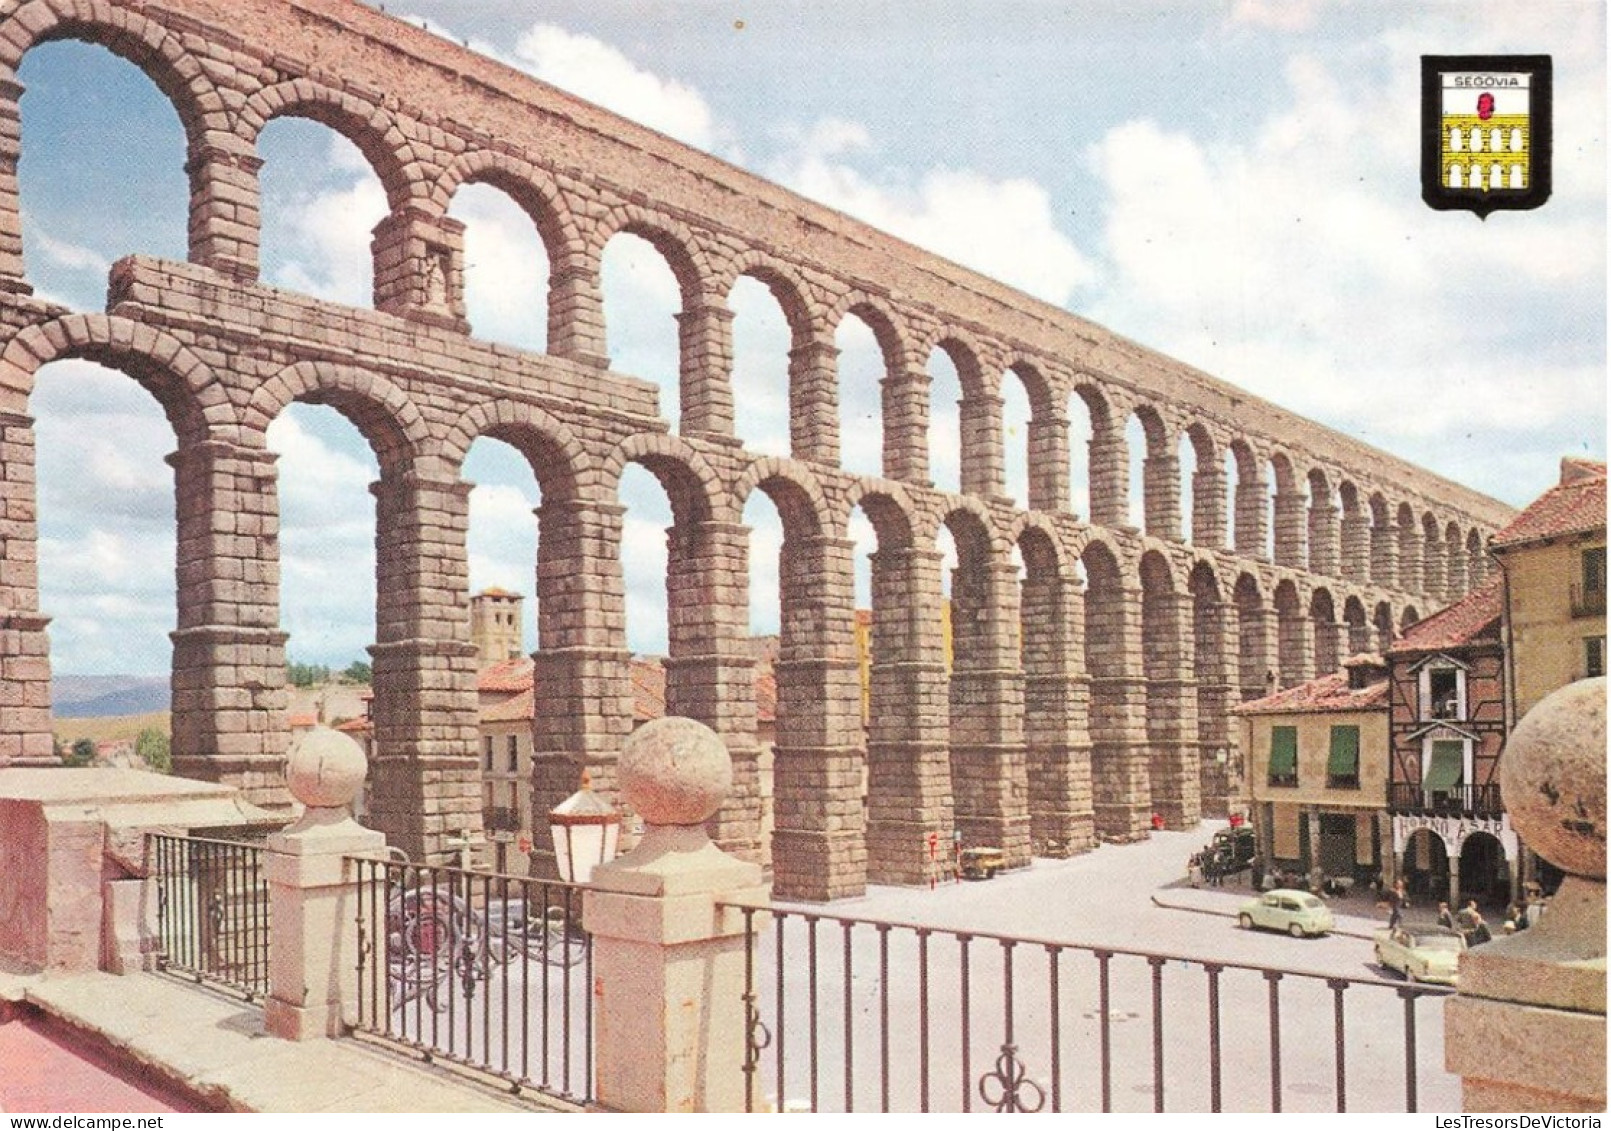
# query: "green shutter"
1283, 752
1448, 765
1343, 761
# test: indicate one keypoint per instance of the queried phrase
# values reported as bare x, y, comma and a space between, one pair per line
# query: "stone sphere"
325, 769
1552, 777
675, 771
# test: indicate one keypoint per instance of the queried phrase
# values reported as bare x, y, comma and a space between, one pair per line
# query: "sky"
1234, 184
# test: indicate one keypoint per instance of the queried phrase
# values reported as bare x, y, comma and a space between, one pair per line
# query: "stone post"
313, 951
1527, 1030
668, 957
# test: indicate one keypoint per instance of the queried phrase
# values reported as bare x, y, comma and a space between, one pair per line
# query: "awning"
1448, 765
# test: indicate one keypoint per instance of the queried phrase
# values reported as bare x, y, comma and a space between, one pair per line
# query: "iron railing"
485, 970
1476, 800
908, 1017
212, 911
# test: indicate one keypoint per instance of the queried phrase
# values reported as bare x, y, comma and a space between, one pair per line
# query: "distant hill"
100, 696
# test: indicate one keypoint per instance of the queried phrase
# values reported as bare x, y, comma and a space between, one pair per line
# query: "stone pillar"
25, 733
576, 311
705, 368
1253, 518
1295, 648
983, 472
1432, 572
229, 693
1384, 556
1455, 582
584, 710
1057, 700
313, 948
908, 770
1355, 565
905, 404
710, 674
11, 266
1171, 709
668, 953
1213, 663
1257, 636
419, 268
426, 785
814, 401
1324, 539
1409, 558
1048, 460
1121, 791
1109, 477
988, 781
1526, 1032
1291, 518
225, 215
1160, 481
819, 847
1208, 507
1328, 646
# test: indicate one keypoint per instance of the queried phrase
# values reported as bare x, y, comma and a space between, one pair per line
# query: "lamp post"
586, 831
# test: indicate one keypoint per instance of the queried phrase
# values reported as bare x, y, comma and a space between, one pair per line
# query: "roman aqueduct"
1085, 696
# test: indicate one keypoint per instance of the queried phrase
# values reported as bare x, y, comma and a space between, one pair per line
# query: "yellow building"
1315, 773
1553, 560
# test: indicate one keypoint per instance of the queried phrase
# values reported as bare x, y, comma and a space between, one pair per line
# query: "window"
1342, 764
514, 753
1588, 594
1593, 656
1594, 569
489, 752
1443, 690
1283, 755
1444, 773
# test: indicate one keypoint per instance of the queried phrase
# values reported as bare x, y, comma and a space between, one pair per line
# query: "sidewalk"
212, 1047
1226, 901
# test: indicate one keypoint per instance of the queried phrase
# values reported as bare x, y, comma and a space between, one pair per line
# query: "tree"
306, 675
154, 749
82, 753
358, 671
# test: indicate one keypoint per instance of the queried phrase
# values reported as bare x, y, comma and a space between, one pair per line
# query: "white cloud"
1002, 228
68, 255
1276, 15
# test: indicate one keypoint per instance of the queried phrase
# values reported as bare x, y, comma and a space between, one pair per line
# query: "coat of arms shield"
1485, 131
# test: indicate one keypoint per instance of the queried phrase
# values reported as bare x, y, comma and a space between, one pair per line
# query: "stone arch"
1251, 529
1381, 622
1160, 475
1432, 558
1327, 632
979, 416
793, 489
1291, 513
1356, 626
1208, 487
887, 330
1046, 446
381, 411
1476, 559
1121, 790
1255, 657
892, 512
157, 52
1353, 559
679, 245
786, 286
690, 485
1408, 619
532, 188
1383, 539
372, 129
1456, 579
558, 460
1324, 532
1294, 650
1108, 470
1409, 550
190, 394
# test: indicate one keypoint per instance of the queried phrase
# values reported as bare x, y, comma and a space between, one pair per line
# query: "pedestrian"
1194, 869
1397, 900
1445, 916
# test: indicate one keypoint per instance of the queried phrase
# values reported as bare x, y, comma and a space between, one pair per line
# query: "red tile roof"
514, 679
1576, 505
506, 676
1475, 617
519, 707
1326, 694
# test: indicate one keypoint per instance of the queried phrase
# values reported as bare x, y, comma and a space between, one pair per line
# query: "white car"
1426, 955
1297, 913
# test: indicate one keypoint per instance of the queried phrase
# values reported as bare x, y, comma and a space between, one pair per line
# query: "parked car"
1425, 955
1296, 912
981, 863
1229, 852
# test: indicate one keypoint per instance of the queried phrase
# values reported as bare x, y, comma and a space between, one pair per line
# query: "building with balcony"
1552, 558
1451, 838
1315, 772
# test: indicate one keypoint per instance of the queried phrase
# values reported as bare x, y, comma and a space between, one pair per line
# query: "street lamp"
586, 832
